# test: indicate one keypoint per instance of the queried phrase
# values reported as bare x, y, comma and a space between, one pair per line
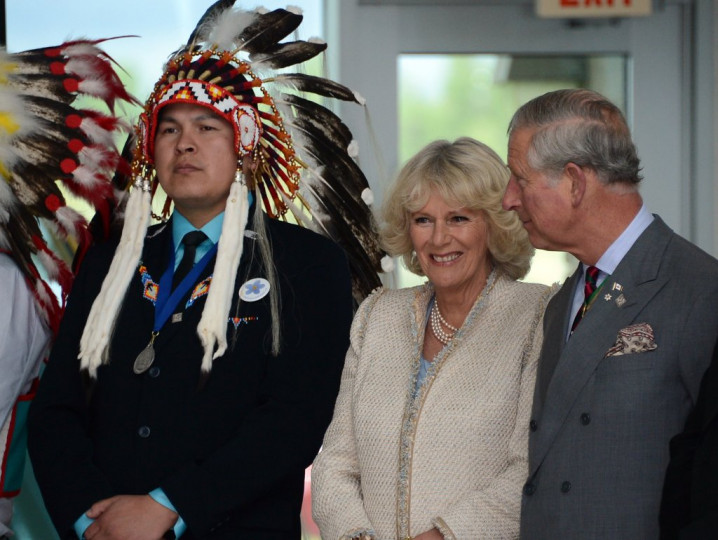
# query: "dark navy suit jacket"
231, 453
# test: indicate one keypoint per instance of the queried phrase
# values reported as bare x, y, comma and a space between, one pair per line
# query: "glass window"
446, 96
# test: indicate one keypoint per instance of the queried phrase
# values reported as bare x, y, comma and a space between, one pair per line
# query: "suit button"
144, 432
585, 419
529, 489
566, 487
533, 426
154, 372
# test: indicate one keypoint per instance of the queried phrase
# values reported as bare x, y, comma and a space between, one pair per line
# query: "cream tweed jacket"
453, 456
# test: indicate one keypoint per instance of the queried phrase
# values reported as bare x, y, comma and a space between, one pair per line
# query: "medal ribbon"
167, 301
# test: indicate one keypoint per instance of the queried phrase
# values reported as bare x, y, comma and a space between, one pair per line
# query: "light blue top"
423, 362
180, 227
423, 369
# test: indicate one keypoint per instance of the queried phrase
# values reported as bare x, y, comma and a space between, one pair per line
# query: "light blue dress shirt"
180, 227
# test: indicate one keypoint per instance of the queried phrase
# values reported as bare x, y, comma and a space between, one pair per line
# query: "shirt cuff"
161, 497
81, 525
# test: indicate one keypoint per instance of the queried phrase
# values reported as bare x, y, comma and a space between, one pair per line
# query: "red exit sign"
593, 8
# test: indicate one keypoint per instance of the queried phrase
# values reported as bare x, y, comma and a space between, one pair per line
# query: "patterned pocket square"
636, 338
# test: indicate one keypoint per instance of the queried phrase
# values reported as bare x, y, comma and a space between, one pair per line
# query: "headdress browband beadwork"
243, 118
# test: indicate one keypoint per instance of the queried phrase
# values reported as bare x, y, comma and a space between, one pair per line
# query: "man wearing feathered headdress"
199, 359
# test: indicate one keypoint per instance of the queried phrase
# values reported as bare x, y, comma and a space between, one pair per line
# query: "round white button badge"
254, 289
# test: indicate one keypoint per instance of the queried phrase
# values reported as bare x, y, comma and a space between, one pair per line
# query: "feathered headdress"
44, 139
302, 155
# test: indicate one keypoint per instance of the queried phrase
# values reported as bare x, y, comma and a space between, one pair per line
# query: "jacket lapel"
154, 259
636, 281
555, 327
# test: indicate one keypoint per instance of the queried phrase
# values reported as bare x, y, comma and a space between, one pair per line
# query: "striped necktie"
589, 289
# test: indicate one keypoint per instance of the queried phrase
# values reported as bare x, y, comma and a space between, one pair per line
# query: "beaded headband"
243, 118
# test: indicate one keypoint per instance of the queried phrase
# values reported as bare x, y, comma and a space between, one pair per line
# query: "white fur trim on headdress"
100, 324
212, 328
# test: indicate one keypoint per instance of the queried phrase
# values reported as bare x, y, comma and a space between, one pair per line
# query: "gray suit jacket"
601, 425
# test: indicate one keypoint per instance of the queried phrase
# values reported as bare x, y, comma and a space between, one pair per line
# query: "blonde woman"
429, 435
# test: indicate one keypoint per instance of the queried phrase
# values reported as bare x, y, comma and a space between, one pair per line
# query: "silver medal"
146, 357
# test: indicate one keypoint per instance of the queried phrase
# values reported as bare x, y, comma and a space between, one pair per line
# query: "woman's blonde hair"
470, 175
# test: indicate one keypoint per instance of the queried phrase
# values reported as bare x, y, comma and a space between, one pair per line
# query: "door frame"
671, 101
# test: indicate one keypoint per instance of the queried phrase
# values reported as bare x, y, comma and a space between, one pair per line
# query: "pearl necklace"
437, 320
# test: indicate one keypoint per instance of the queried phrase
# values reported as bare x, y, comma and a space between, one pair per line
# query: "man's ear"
577, 177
